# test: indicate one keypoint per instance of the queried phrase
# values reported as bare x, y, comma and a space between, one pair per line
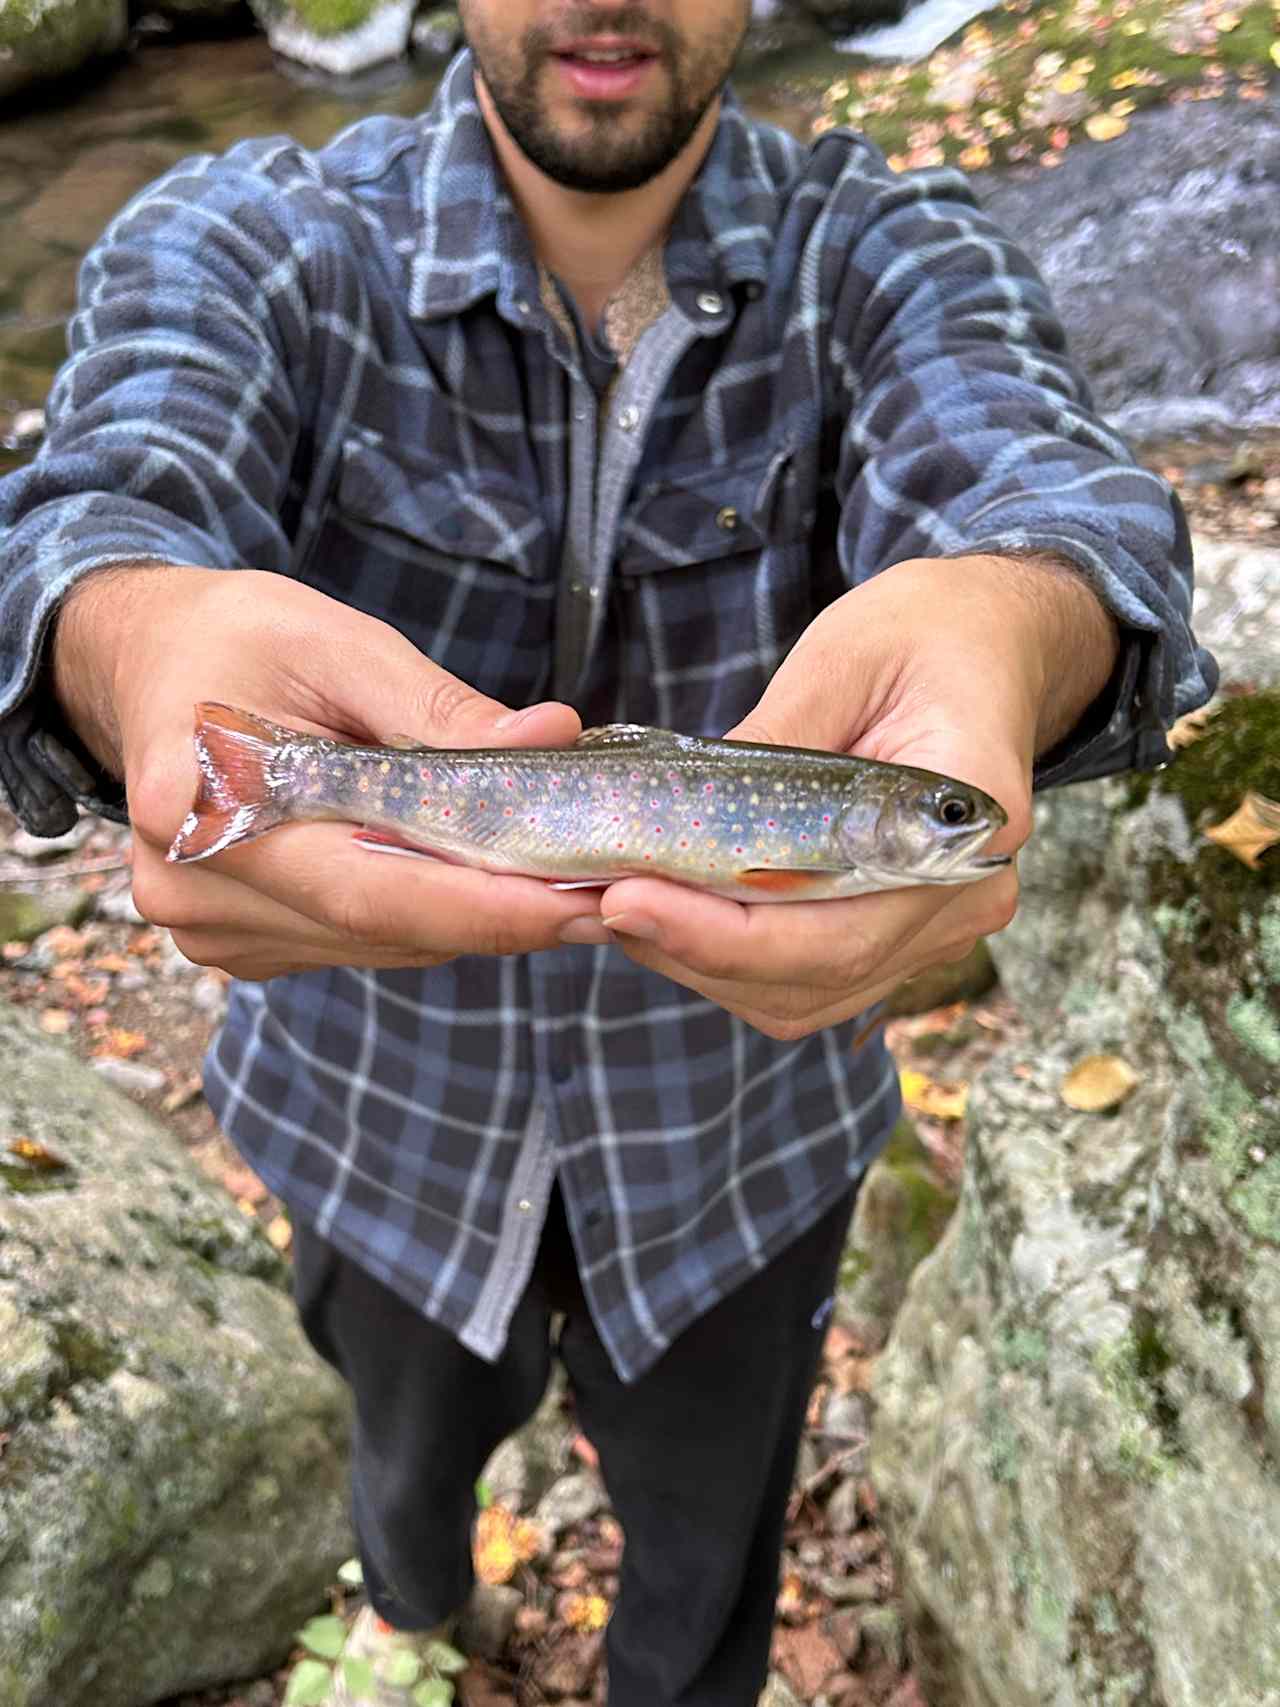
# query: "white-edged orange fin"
770, 880
384, 842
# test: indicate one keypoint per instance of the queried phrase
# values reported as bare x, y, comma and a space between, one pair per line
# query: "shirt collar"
472, 243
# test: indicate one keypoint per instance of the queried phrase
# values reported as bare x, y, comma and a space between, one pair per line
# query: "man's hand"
135, 649
969, 667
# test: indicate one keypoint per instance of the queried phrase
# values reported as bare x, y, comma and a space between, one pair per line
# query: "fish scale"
747, 820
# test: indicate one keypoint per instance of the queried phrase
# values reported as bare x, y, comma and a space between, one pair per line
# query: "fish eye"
955, 809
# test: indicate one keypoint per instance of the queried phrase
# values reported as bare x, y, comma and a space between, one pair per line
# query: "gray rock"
129, 1075
174, 1445
208, 993
842, 1513
436, 34
1077, 1436
40, 39
118, 904
573, 1499
26, 429
778, 1692
300, 32
846, 1417
488, 1620
952, 981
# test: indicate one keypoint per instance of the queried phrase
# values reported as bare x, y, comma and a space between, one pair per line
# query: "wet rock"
339, 37
1237, 606
40, 39
209, 994
174, 1444
436, 34
26, 429
118, 904
1162, 250
573, 1499
842, 1510
38, 848
901, 1212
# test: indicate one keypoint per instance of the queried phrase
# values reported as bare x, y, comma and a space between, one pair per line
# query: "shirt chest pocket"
714, 579
461, 565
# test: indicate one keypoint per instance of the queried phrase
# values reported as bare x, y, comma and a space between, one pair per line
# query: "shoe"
380, 1666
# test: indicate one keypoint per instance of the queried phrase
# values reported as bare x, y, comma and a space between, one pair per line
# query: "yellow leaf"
1126, 79
1084, 66
972, 159
1133, 28
1274, 51
1189, 728
1070, 83
1098, 1082
1226, 21
1105, 127
585, 1611
493, 1549
280, 1232
926, 1096
1122, 109
1250, 830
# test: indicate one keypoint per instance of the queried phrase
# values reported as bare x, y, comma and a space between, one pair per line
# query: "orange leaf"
1098, 1082
39, 1155
1250, 830
493, 1548
122, 1043
926, 1096
586, 1611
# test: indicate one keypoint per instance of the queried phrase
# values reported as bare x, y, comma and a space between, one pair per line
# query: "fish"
746, 820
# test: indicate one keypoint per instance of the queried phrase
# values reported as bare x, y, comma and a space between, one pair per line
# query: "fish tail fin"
237, 798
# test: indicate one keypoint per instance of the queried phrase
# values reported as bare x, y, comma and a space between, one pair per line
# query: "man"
583, 387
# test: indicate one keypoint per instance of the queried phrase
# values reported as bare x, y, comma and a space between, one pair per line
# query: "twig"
62, 873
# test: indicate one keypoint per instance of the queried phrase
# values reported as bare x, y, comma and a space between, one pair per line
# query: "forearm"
1073, 639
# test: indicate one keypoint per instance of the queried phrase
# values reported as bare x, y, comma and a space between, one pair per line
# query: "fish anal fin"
771, 880
584, 883
386, 841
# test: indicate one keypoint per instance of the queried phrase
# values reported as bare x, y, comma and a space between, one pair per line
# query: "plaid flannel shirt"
337, 365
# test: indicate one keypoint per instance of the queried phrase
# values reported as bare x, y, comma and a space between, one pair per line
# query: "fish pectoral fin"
776, 880
623, 735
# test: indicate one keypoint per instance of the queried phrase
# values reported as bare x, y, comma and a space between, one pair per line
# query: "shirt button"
727, 518
524, 1206
579, 414
629, 418
522, 303
710, 301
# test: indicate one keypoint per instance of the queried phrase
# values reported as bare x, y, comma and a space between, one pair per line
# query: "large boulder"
1077, 1445
172, 1454
338, 37
40, 39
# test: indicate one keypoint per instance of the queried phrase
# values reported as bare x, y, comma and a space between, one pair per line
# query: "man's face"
603, 96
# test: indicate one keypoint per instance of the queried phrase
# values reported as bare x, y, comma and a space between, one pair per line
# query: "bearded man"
581, 398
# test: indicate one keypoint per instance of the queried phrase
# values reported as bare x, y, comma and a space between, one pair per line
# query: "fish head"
924, 828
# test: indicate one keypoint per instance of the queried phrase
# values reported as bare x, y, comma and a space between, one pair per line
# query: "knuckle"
443, 701
354, 914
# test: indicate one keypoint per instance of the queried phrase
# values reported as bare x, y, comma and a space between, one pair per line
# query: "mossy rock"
40, 39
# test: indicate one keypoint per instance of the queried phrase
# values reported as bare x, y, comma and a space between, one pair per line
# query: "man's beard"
607, 156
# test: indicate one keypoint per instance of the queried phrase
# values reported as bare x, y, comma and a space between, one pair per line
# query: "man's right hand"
136, 648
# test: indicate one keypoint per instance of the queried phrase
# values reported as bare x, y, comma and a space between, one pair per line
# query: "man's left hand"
966, 666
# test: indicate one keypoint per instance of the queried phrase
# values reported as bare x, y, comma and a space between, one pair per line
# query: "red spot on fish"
826, 817
648, 856
655, 804
508, 811
708, 788
507, 782
769, 822
677, 789
739, 850
425, 773
616, 794
448, 812
657, 829
619, 844
697, 823
804, 835
617, 817
684, 844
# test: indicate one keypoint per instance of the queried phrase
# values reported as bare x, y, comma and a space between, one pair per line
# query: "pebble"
25, 430
209, 994
573, 1499
118, 905
488, 1620
846, 1417
129, 1075
842, 1512
131, 980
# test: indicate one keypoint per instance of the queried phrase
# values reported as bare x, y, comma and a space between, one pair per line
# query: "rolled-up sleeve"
971, 431
171, 426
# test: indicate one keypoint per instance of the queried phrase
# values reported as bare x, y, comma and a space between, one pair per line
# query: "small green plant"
428, 1678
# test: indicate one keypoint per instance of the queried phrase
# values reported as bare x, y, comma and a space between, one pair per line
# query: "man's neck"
591, 242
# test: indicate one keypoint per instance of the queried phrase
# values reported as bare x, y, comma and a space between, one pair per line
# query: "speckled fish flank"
753, 822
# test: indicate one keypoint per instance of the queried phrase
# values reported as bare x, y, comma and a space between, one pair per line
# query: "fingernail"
632, 924
587, 929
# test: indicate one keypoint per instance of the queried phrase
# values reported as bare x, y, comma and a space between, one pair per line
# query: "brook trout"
753, 822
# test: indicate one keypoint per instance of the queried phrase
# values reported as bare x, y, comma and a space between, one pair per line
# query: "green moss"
1255, 1025
1257, 1201
333, 17
87, 1356
1023, 1348
1145, 1436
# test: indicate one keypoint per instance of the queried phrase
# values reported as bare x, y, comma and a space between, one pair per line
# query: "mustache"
581, 23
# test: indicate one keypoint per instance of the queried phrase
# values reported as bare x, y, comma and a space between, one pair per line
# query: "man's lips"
605, 68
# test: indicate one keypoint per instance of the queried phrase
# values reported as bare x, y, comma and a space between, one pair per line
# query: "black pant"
697, 1455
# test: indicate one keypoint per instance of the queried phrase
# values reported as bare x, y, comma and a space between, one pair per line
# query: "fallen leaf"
585, 1611
924, 1095
280, 1232
1105, 127
793, 1602
807, 1658
1274, 51
186, 1092
111, 963
1250, 830
121, 1043
1126, 79
1098, 1082
1189, 728
37, 1154
55, 1021
500, 1543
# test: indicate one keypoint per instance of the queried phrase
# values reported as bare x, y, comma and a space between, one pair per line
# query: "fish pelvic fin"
781, 881
237, 797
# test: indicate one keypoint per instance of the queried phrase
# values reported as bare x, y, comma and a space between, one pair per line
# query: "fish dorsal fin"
624, 735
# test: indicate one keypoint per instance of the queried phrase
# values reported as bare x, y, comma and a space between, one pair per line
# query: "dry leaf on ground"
1098, 1082
1250, 830
924, 1095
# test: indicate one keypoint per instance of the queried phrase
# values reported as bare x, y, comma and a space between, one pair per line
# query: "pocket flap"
678, 524
402, 492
